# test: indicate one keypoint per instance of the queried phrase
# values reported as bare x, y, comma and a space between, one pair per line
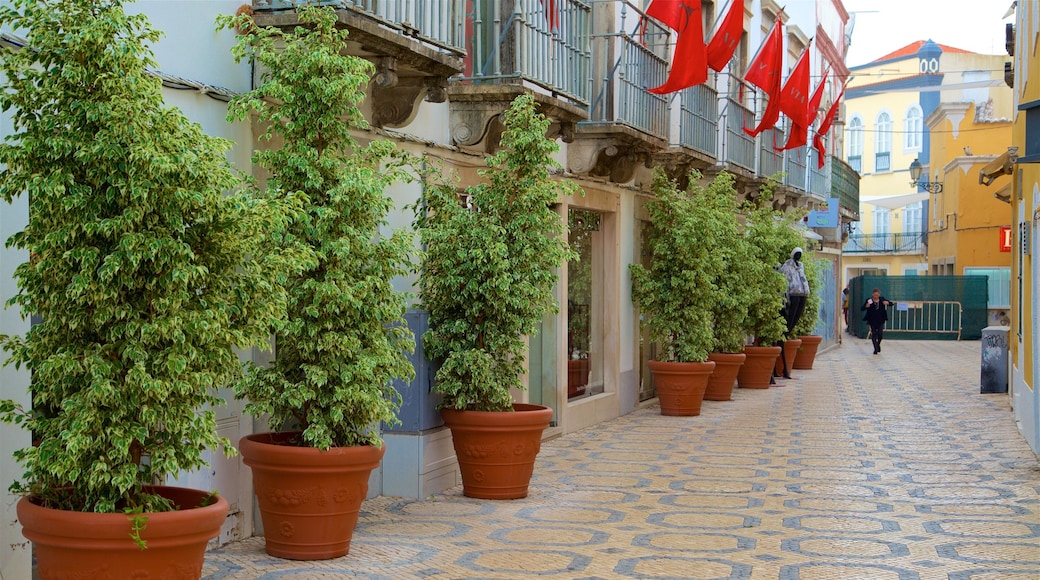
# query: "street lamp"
915, 174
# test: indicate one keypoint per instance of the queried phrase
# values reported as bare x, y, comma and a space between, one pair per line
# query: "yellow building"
887, 103
969, 218
1025, 218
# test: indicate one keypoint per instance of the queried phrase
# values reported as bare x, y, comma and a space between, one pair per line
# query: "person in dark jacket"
877, 315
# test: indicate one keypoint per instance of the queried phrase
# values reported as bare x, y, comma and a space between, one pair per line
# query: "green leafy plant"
735, 293
490, 265
772, 236
146, 266
806, 325
345, 338
678, 292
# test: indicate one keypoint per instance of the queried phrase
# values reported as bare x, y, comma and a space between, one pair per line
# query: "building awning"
895, 201
1003, 165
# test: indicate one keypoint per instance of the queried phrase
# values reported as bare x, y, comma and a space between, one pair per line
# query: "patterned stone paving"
875, 467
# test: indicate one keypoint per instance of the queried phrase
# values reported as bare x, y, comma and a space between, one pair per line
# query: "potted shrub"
805, 330
770, 234
344, 338
488, 275
676, 293
146, 269
734, 293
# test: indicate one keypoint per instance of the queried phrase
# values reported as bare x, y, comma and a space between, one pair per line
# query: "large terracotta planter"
724, 377
91, 545
309, 499
807, 354
577, 377
680, 386
496, 450
790, 351
758, 367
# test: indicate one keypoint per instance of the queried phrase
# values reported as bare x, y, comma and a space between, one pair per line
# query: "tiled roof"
912, 49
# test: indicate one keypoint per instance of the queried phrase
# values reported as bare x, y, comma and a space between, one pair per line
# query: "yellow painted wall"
1026, 180
971, 216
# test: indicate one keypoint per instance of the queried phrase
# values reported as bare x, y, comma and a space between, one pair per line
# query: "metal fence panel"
970, 292
699, 119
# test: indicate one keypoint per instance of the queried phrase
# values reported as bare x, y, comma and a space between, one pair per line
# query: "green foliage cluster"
345, 338
679, 292
772, 236
806, 326
490, 265
146, 266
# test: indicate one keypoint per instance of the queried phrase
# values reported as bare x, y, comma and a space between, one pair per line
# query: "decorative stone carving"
397, 105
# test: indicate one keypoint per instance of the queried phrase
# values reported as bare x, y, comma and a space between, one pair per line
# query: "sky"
883, 26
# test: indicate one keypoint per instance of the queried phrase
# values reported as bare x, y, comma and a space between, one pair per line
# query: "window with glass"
855, 142
913, 218
912, 128
883, 143
584, 310
881, 220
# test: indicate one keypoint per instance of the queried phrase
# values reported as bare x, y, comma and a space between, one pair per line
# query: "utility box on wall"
995, 359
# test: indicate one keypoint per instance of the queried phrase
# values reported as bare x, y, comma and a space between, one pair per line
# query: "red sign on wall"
1005, 239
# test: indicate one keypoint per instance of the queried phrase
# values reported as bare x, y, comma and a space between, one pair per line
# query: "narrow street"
873, 467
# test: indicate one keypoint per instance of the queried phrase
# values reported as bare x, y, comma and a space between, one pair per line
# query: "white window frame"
913, 129
882, 220
855, 136
913, 218
883, 133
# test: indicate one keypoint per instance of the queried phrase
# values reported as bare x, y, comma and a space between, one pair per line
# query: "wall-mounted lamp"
915, 174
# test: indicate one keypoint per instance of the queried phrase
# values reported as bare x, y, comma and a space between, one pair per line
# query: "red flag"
794, 97
814, 100
669, 12
825, 127
797, 137
550, 14
724, 42
690, 63
764, 72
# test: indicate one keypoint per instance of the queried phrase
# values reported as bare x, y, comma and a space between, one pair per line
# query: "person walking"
845, 307
877, 315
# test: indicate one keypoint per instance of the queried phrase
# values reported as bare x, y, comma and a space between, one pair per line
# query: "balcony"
882, 162
818, 186
738, 148
856, 163
896, 243
794, 168
415, 46
627, 125
845, 187
771, 161
699, 120
513, 49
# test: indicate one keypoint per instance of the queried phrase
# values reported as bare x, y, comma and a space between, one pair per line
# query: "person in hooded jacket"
794, 299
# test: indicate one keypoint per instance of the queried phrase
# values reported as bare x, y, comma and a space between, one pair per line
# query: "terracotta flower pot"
758, 367
680, 386
807, 354
577, 376
790, 351
496, 450
309, 499
91, 545
724, 377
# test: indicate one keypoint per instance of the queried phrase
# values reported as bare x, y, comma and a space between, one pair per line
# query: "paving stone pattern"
874, 467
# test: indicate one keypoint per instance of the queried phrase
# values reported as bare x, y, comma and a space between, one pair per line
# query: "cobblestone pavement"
874, 467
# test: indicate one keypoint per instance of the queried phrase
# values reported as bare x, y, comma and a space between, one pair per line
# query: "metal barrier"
739, 146
940, 317
771, 161
794, 167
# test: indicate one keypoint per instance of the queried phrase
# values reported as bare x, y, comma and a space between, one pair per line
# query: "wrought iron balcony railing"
882, 162
437, 22
699, 119
794, 168
818, 178
856, 163
771, 161
514, 41
623, 96
895, 243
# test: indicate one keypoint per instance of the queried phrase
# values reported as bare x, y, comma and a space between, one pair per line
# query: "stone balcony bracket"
612, 150
475, 114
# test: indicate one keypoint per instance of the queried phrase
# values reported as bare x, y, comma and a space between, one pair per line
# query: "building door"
585, 286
